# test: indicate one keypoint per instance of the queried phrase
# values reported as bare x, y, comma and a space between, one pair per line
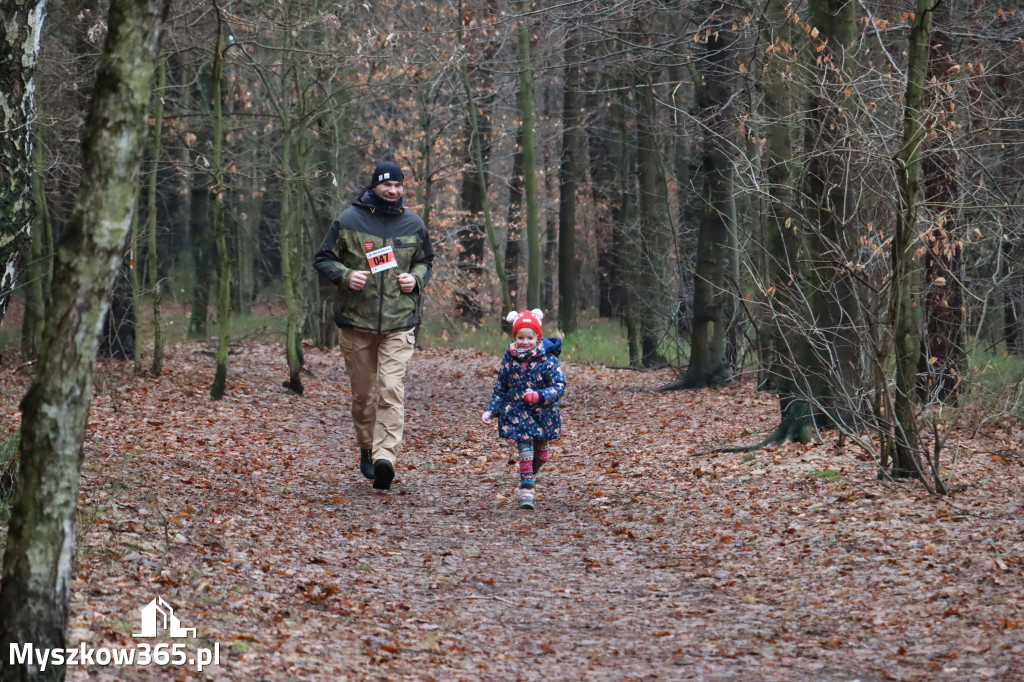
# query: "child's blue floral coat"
517, 419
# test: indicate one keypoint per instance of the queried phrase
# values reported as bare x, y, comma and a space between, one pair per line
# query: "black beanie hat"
386, 171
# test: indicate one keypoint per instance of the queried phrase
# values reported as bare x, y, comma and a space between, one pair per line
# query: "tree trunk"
38, 269
21, 23
530, 189
1012, 319
605, 154
906, 333
202, 253
513, 238
152, 262
244, 212
549, 240
653, 245
939, 378
332, 162
294, 382
625, 228
791, 353
687, 227
570, 175
476, 152
713, 282
427, 142
173, 204
943, 354
135, 284
220, 233
200, 230
685, 159
471, 238
37, 563
831, 207
117, 340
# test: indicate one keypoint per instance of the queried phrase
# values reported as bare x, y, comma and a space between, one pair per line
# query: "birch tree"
21, 23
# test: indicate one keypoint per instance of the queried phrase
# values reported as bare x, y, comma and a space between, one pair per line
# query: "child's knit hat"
526, 318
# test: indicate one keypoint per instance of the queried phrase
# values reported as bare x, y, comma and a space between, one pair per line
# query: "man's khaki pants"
376, 366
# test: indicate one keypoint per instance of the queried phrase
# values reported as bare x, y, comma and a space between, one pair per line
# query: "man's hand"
406, 283
358, 280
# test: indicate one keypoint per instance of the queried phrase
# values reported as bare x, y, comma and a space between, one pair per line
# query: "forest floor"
641, 562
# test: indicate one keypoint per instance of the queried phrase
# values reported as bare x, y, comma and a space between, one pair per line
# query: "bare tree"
477, 179
569, 182
830, 208
943, 263
714, 286
220, 233
783, 242
530, 189
152, 269
906, 335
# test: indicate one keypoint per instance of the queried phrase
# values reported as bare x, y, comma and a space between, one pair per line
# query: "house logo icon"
159, 614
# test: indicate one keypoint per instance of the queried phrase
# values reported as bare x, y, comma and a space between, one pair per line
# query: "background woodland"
827, 194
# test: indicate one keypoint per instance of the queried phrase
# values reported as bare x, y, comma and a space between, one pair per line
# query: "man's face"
390, 190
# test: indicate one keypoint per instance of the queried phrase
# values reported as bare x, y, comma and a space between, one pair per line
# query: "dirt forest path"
250, 518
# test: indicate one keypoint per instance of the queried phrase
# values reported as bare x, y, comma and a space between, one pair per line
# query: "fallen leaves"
251, 517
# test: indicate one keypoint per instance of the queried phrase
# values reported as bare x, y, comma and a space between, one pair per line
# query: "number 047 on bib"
381, 259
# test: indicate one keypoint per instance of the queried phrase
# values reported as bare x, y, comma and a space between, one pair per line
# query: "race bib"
381, 259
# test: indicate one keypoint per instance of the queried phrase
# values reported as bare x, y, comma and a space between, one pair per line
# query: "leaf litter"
641, 561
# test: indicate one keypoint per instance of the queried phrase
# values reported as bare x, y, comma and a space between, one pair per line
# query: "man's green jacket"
368, 225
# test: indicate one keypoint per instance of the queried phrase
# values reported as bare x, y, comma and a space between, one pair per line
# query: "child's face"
526, 339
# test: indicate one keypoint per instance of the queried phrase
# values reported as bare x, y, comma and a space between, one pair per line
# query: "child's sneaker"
525, 498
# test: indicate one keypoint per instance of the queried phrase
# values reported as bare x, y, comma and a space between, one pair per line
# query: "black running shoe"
383, 474
366, 463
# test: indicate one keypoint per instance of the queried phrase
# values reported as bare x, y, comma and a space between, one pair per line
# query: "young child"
525, 399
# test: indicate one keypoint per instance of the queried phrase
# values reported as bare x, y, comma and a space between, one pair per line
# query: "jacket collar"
374, 204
